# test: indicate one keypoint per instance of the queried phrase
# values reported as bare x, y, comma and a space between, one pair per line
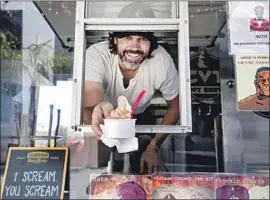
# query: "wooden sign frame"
3, 182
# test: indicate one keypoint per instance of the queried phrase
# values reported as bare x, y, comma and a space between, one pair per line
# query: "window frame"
180, 24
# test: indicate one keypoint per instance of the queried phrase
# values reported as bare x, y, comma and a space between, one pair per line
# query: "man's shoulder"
248, 103
160, 51
100, 47
160, 56
248, 99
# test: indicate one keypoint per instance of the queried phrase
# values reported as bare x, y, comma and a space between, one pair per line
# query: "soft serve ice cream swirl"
123, 111
119, 129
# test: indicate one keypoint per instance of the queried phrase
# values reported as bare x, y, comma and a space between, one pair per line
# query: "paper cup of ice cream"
119, 124
119, 128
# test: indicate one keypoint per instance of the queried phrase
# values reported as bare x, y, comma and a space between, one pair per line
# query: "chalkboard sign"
35, 173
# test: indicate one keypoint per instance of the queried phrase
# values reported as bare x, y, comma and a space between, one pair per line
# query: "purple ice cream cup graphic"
131, 190
232, 192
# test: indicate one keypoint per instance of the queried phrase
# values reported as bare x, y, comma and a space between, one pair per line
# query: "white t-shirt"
157, 73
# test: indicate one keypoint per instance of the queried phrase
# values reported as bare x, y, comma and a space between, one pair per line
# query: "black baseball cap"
148, 35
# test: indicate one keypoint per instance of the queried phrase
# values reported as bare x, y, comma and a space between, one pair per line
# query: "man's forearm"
93, 95
170, 118
87, 115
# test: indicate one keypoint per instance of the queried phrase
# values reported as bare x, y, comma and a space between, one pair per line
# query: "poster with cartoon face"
183, 187
118, 186
249, 27
252, 82
241, 187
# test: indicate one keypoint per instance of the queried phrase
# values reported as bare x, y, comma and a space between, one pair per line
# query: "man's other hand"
101, 111
151, 159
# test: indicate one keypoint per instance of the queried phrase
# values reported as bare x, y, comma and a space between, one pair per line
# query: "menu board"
242, 187
35, 173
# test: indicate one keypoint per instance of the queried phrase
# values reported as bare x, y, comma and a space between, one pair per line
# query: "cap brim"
147, 35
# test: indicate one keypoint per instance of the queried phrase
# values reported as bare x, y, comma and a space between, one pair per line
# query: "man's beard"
129, 64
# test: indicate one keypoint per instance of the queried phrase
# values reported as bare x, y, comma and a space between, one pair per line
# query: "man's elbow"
93, 94
174, 103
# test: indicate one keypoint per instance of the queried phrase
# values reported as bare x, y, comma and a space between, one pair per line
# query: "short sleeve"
170, 86
94, 65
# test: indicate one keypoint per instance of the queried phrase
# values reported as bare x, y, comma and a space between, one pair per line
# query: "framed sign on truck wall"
252, 76
249, 27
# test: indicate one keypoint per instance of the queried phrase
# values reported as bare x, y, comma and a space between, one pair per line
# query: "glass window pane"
124, 9
200, 150
36, 73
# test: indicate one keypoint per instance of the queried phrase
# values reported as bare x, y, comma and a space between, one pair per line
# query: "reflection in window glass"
109, 9
36, 72
200, 145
